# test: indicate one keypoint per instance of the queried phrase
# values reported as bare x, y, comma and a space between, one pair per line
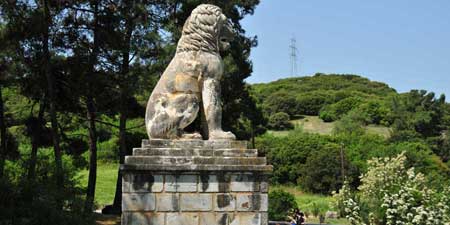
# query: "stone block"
236, 153
224, 202
243, 183
208, 183
181, 183
182, 218
252, 202
138, 202
141, 182
167, 202
196, 202
264, 218
208, 218
224, 182
250, 219
227, 219
264, 185
141, 218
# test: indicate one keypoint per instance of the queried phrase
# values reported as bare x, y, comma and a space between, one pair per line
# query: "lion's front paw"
191, 136
221, 135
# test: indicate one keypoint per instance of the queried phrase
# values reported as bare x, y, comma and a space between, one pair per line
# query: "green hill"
308, 95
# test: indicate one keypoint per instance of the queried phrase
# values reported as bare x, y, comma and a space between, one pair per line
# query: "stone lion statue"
191, 79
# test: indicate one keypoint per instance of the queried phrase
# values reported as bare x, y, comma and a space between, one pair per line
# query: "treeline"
419, 123
75, 78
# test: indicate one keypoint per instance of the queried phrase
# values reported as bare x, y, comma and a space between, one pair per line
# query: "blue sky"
404, 43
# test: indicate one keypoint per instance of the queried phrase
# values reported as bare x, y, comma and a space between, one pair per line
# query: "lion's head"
207, 29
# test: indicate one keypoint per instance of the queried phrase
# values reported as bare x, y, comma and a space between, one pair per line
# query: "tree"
135, 46
279, 121
280, 203
2, 135
323, 171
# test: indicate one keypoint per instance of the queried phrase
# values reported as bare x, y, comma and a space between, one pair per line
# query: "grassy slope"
106, 182
314, 124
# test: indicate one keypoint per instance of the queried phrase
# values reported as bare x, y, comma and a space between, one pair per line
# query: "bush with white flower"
392, 194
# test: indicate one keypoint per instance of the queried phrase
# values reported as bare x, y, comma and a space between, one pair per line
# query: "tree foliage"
280, 204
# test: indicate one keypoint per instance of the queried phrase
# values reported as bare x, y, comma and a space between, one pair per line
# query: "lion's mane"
201, 30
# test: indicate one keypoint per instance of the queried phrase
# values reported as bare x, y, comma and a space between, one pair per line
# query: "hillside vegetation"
308, 95
339, 122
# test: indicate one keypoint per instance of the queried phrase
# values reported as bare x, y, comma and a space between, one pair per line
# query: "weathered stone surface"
140, 218
243, 183
138, 202
208, 183
180, 179
172, 152
250, 218
264, 185
192, 79
235, 152
193, 144
181, 183
264, 218
140, 182
186, 168
196, 202
208, 218
252, 202
224, 202
227, 219
189, 160
182, 219
167, 202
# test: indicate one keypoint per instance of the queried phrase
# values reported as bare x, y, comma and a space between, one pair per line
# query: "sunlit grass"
313, 124
106, 182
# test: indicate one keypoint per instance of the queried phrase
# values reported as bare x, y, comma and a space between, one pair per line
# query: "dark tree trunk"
51, 93
2, 135
91, 116
125, 68
90, 193
35, 133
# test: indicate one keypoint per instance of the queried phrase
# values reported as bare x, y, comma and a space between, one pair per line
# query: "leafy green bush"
310, 103
287, 154
280, 203
351, 123
280, 102
322, 171
40, 201
279, 121
335, 111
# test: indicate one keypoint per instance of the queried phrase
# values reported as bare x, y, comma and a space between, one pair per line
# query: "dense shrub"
280, 203
322, 172
280, 102
279, 121
288, 154
307, 95
335, 111
313, 161
39, 201
351, 123
311, 103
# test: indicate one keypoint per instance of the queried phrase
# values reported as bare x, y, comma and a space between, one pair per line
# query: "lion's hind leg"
171, 118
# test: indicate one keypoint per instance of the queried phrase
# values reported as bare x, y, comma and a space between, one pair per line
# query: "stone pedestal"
194, 182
